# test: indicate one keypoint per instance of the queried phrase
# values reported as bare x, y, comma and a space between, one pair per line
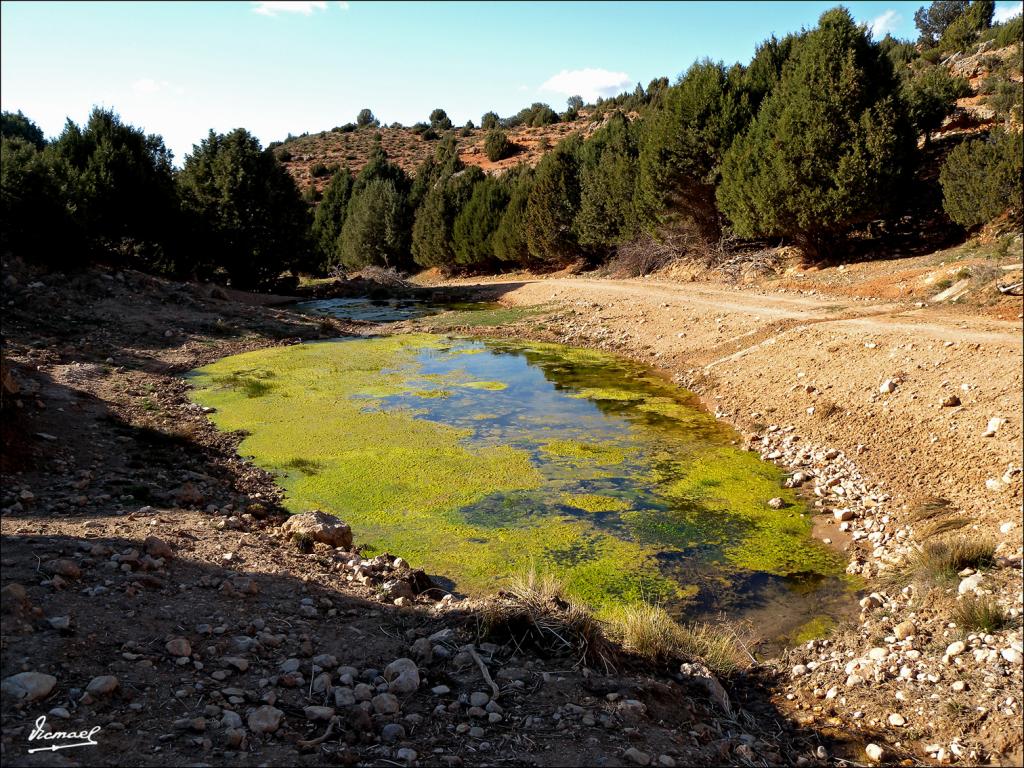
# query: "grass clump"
978, 613
649, 632
938, 563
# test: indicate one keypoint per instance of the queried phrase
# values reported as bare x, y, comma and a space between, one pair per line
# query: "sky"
182, 68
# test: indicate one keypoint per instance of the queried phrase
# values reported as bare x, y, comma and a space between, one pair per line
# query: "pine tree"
831, 146
552, 205
475, 225
329, 217
509, 240
607, 174
930, 96
682, 146
981, 179
376, 229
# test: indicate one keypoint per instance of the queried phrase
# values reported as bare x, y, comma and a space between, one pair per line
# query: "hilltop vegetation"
823, 139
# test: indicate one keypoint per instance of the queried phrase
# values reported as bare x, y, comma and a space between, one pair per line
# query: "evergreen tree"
831, 146
37, 224
489, 121
575, 103
932, 22
432, 238
119, 184
365, 119
376, 229
16, 125
440, 121
552, 205
607, 174
682, 146
475, 225
509, 241
496, 145
981, 179
329, 217
245, 211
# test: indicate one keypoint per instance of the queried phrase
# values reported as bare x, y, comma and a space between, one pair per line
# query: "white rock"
955, 648
887, 387
970, 584
1012, 655
874, 752
799, 670
993, 426
897, 720
265, 719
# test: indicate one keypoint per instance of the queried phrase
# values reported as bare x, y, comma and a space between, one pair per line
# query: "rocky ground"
151, 588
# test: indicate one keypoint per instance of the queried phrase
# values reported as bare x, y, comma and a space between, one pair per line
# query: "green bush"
440, 121
931, 95
509, 241
1010, 32
981, 179
489, 121
552, 205
319, 170
496, 145
376, 229
607, 174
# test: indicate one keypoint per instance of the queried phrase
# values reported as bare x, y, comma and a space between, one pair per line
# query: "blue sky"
181, 68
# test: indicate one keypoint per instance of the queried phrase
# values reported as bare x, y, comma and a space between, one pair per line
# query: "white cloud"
305, 7
885, 24
1007, 11
147, 85
588, 83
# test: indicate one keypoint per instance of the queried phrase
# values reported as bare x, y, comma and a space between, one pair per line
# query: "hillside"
408, 150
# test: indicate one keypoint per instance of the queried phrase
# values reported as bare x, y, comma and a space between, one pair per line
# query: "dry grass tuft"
979, 614
938, 563
927, 507
535, 611
649, 632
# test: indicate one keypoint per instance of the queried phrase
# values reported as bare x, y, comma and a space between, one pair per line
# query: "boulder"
402, 676
29, 686
321, 527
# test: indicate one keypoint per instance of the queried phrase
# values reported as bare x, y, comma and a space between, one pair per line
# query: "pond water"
478, 460
370, 310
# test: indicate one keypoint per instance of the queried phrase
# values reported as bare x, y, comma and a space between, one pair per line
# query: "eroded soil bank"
103, 450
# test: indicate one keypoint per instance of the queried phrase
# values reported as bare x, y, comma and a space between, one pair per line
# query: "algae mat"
477, 460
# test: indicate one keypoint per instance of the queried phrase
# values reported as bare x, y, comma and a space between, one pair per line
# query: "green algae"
475, 461
594, 502
816, 628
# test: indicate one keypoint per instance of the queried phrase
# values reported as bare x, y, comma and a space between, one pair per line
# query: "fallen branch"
484, 672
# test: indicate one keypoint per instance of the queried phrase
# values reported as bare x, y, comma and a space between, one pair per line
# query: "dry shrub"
389, 276
536, 612
926, 507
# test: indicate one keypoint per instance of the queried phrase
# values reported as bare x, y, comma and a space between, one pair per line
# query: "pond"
478, 460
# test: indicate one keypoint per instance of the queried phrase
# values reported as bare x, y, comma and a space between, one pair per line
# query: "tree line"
817, 135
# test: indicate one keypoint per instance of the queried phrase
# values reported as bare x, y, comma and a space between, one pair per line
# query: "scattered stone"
970, 584
897, 720
386, 704
478, 699
636, 757
179, 646
993, 426
29, 686
158, 548
776, 502
887, 387
392, 732
408, 756
955, 648
402, 676
951, 401
103, 685
265, 719
904, 629
318, 713
1011, 655
874, 752
68, 569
